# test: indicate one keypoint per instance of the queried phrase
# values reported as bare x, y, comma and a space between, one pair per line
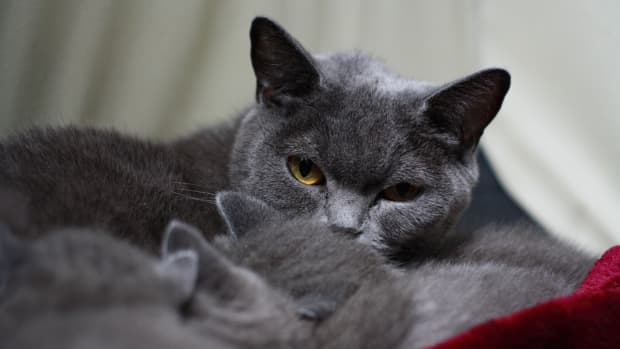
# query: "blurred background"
161, 69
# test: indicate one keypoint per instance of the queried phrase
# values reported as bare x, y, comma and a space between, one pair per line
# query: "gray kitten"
77, 288
372, 305
338, 137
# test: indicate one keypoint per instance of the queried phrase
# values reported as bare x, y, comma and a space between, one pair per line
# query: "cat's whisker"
189, 197
189, 184
195, 191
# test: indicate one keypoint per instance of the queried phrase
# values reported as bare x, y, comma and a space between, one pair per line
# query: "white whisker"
195, 191
210, 201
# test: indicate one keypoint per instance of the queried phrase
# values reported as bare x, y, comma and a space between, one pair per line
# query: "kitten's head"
232, 303
341, 138
69, 284
317, 266
78, 269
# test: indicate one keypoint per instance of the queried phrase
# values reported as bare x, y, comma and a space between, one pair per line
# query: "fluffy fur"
365, 127
271, 282
363, 303
114, 183
75, 289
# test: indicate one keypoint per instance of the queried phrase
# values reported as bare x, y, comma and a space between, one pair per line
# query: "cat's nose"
346, 210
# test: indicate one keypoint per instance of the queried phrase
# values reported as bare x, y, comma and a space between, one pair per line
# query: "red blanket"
588, 318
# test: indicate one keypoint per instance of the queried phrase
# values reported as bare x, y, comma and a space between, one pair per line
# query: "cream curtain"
161, 68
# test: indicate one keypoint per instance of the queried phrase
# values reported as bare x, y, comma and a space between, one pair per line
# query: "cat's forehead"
356, 70
361, 145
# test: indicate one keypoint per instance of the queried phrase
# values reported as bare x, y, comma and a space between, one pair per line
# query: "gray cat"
341, 138
337, 137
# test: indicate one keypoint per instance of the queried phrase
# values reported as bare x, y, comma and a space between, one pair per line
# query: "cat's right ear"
284, 69
462, 109
242, 212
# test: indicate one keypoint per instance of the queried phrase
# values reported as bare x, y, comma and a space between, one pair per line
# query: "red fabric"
588, 318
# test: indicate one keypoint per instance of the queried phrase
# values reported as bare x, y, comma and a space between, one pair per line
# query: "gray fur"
78, 288
363, 303
75, 288
117, 184
319, 267
366, 127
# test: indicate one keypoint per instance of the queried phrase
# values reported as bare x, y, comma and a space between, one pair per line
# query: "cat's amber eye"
401, 192
305, 171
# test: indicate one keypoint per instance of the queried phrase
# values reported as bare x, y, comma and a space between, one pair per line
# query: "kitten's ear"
180, 236
185, 250
242, 212
465, 107
282, 66
179, 256
182, 269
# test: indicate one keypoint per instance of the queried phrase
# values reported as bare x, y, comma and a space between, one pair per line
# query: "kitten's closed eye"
305, 171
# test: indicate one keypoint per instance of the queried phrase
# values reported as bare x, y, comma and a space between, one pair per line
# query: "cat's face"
342, 139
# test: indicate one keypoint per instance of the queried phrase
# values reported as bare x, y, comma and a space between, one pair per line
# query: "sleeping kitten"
373, 305
76, 288
338, 137
79, 289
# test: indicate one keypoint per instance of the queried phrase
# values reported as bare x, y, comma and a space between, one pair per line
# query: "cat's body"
116, 183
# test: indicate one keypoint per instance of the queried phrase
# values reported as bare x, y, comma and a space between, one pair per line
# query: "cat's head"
341, 138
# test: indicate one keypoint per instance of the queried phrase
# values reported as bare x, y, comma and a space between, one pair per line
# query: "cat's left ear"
284, 69
466, 106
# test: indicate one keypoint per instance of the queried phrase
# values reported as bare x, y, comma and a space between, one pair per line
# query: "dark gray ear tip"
262, 22
500, 77
263, 26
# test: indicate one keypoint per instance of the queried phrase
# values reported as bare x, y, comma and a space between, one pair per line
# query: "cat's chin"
370, 236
